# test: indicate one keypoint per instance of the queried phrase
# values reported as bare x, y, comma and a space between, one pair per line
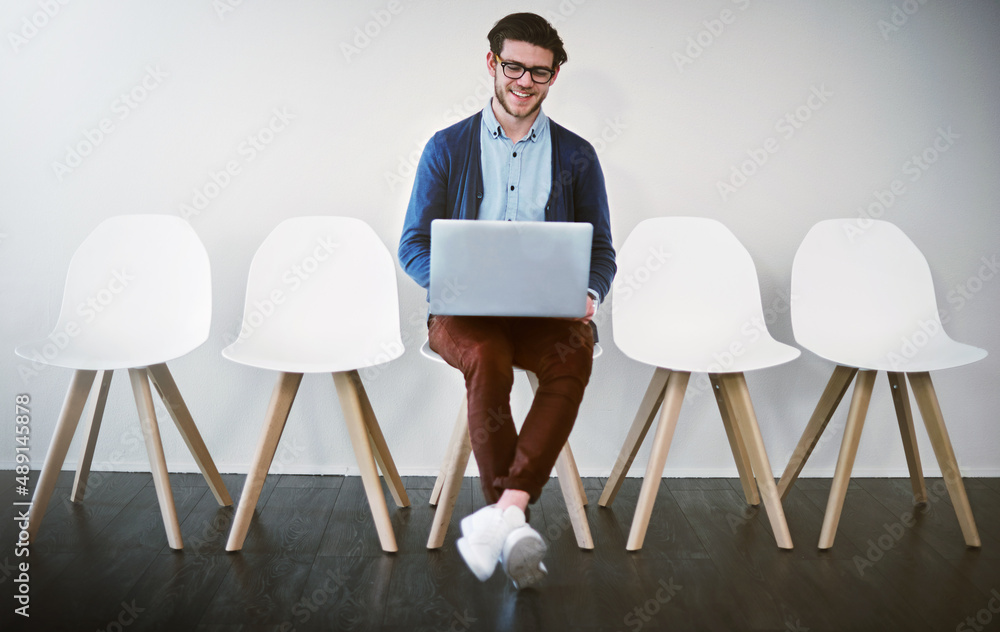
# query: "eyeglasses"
514, 70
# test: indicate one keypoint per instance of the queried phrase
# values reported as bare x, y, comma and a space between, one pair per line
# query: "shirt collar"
493, 128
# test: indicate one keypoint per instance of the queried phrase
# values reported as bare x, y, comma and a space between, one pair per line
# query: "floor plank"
429, 590
312, 561
292, 521
140, 523
91, 590
298, 481
343, 593
259, 589
688, 484
351, 527
731, 543
177, 589
585, 586
68, 526
669, 534
819, 484
206, 528
418, 482
928, 584
935, 521
805, 521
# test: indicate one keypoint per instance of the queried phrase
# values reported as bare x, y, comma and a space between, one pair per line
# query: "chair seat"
867, 300
916, 352
100, 355
137, 293
294, 355
729, 355
694, 304
321, 298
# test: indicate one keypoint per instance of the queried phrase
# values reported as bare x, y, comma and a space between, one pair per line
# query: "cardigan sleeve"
428, 201
590, 202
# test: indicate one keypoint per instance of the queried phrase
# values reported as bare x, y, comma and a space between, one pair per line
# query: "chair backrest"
686, 297
863, 296
138, 292
321, 296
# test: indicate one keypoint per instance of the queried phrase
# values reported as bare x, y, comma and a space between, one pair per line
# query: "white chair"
863, 298
686, 299
138, 294
449, 480
321, 298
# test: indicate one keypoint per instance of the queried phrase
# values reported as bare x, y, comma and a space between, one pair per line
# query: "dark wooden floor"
312, 562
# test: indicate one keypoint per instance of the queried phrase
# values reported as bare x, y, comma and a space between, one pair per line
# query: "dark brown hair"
530, 28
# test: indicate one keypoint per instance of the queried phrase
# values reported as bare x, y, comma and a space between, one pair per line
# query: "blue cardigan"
449, 185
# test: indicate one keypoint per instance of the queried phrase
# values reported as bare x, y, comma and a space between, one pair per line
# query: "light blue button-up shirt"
517, 178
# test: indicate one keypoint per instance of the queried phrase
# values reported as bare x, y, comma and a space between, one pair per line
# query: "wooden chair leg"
735, 388
157, 462
904, 416
827, 405
576, 499
736, 442
670, 411
282, 397
460, 447
95, 413
651, 402
171, 396
380, 449
930, 410
69, 417
459, 432
845, 461
350, 403
575, 476
439, 481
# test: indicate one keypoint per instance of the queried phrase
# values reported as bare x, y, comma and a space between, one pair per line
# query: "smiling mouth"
520, 95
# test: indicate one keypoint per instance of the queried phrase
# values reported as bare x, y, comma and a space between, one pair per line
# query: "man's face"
520, 98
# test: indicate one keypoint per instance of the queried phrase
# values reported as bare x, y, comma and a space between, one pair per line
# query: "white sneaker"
483, 536
522, 557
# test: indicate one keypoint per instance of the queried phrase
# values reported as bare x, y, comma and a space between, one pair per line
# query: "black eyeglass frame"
524, 69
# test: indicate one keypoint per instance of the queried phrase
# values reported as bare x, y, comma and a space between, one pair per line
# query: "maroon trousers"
485, 349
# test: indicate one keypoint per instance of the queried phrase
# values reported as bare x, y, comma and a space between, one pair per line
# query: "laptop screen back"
497, 268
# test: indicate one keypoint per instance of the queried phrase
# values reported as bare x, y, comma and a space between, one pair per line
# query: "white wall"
668, 130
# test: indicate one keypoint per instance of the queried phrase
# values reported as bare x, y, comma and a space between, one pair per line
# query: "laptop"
498, 268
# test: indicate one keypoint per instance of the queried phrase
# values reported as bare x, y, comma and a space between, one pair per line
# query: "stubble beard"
502, 92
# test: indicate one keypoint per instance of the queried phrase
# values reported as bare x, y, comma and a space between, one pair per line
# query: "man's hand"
591, 310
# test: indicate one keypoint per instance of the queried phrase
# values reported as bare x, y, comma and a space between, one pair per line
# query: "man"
511, 162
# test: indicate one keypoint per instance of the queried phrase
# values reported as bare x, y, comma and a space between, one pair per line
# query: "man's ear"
491, 63
554, 75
